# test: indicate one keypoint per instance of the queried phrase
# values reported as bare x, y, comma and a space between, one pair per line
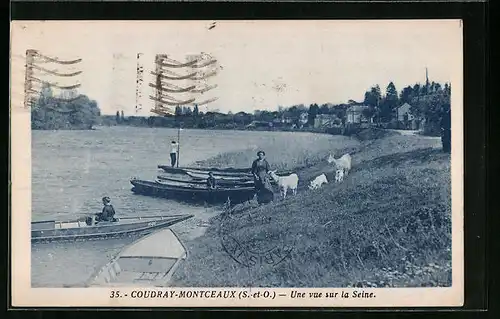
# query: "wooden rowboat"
198, 181
149, 261
220, 171
193, 193
48, 231
203, 172
204, 175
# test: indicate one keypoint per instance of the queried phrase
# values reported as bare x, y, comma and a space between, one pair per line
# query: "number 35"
115, 294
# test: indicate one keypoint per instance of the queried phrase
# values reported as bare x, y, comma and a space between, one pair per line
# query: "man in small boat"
173, 153
211, 182
108, 212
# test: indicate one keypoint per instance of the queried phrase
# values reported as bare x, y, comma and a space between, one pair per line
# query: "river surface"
73, 170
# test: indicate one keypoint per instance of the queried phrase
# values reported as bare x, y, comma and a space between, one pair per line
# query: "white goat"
343, 162
339, 175
318, 181
286, 182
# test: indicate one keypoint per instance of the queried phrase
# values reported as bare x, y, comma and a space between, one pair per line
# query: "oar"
80, 217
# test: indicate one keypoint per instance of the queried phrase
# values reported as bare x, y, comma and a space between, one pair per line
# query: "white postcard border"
23, 295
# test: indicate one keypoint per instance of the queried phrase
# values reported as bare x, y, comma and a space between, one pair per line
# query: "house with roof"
354, 115
326, 121
403, 113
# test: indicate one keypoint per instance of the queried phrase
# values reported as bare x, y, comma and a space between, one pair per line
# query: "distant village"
328, 118
417, 107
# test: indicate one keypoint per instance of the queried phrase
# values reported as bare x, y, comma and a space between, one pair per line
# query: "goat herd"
290, 182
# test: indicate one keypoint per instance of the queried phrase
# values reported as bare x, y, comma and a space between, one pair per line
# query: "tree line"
427, 101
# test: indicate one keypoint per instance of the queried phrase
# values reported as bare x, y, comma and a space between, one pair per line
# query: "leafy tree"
188, 112
302, 108
196, 111
406, 95
178, 111
417, 90
390, 102
339, 110
53, 113
242, 118
368, 112
118, 119
431, 107
373, 97
46, 92
324, 109
265, 116
447, 88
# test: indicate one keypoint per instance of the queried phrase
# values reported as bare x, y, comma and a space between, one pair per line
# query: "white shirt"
173, 148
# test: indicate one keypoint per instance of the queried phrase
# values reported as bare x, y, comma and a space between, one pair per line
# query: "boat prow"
149, 261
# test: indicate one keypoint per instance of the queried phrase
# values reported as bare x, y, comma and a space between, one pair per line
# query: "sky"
260, 64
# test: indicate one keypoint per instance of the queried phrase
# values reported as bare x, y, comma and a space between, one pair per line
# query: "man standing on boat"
108, 212
174, 147
211, 183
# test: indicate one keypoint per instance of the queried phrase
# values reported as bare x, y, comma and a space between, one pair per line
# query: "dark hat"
106, 199
261, 152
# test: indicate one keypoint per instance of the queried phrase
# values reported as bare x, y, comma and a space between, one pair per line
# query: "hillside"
387, 224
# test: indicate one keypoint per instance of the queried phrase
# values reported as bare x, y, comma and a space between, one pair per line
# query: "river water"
73, 170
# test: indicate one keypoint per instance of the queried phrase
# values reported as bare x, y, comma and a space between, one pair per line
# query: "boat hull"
103, 230
193, 194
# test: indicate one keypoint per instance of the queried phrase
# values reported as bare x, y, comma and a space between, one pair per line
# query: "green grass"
284, 153
387, 225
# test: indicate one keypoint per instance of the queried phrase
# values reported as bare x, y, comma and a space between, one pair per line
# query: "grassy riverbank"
387, 224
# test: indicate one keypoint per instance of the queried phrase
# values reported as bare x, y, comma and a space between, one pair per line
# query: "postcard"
266, 163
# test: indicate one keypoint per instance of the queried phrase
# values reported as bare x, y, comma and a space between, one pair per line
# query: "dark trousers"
100, 217
173, 159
